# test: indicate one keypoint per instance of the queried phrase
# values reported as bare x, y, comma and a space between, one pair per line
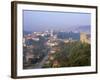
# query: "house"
29, 57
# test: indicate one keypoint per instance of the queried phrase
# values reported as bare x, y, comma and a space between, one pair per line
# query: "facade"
29, 56
85, 38
24, 44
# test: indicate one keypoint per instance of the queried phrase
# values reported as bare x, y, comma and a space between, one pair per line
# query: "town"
47, 49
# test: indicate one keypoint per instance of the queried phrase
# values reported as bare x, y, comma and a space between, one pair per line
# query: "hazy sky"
43, 20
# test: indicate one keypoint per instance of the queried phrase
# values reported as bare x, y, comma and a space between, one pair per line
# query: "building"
35, 39
51, 43
24, 44
51, 33
85, 38
29, 57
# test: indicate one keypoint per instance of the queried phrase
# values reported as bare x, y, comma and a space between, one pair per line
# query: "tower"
84, 37
51, 33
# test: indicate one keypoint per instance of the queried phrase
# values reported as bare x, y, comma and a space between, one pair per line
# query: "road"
40, 64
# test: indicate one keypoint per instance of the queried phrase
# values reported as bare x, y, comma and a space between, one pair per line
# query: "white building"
35, 39
24, 44
51, 33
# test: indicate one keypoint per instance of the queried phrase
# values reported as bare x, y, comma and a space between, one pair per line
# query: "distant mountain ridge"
85, 28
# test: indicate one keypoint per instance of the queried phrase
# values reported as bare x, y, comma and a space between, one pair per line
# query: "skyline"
46, 20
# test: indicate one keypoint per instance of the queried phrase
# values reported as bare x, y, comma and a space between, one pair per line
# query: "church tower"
84, 38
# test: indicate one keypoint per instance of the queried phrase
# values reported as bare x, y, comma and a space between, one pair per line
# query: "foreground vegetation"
71, 54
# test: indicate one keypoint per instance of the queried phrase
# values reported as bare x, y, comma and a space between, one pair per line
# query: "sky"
46, 20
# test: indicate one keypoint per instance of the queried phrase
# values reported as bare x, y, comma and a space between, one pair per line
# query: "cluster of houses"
51, 42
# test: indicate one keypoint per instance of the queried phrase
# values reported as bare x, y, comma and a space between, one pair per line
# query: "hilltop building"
85, 38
